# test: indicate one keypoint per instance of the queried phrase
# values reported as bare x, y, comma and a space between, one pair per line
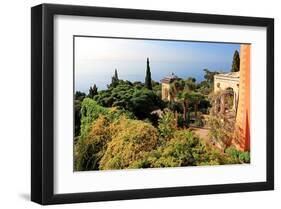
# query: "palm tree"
180, 92
196, 97
184, 98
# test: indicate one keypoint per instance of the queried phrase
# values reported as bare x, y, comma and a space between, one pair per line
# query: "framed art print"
131, 104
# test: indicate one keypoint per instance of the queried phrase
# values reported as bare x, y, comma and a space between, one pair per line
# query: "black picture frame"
42, 103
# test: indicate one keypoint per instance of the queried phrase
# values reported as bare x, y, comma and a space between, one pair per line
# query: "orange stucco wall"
242, 140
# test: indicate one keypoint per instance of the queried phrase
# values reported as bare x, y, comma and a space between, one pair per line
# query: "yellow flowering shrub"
130, 140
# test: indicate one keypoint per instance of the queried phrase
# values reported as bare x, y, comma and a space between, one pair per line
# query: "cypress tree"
235, 62
114, 79
93, 91
147, 82
116, 75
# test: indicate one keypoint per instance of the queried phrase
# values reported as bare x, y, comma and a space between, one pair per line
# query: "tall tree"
235, 62
114, 79
116, 75
182, 92
195, 98
79, 95
148, 83
93, 91
209, 76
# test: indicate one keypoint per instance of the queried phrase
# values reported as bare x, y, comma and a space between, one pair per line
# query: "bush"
110, 139
90, 111
182, 150
94, 134
167, 124
136, 99
90, 150
238, 156
130, 140
198, 122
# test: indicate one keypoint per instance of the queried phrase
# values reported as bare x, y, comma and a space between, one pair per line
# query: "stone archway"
229, 83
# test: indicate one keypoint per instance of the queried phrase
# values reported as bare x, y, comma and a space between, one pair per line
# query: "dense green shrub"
90, 150
184, 149
198, 122
90, 111
94, 130
130, 140
167, 124
111, 139
134, 98
238, 156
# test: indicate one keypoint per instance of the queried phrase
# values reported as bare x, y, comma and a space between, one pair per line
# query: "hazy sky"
97, 58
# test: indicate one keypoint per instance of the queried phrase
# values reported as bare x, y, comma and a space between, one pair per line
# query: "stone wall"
224, 81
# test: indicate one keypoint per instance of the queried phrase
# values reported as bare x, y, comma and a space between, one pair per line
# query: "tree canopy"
235, 62
148, 81
134, 98
128, 125
93, 91
114, 79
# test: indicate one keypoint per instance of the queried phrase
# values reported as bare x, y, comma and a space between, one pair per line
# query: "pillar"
242, 140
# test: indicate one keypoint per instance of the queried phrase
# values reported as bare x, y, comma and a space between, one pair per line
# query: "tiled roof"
169, 79
229, 75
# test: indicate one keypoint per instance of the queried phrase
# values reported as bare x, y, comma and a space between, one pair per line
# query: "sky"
97, 58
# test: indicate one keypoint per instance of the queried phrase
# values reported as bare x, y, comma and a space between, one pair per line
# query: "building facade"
166, 87
240, 83
226, 81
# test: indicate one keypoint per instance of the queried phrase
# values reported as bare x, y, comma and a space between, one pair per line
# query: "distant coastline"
101, 76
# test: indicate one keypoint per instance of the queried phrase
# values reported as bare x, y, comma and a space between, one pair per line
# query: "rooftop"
228, 75
170, 78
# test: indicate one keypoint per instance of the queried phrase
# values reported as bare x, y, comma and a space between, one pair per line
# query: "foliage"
221, 124
167, 125
184, 98
93, 91
111, 140
114, 80
90, 111
235, 62
94, 127
237, 155
191, 79
79, 95
184, 149
115, 129
136, 99
198, 122
148, 82
190, 83
204, 105
90, 150
195, 99
77, 117
221, 129
181, 91
206, 86
144, 102
157, 88
130, 139
209, 76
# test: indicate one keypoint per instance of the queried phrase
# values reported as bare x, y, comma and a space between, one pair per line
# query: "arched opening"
229, 99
